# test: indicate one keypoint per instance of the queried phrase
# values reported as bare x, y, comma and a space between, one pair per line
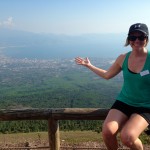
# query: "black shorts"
129, 110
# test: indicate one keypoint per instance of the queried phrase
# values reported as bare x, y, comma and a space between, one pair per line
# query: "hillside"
54, 83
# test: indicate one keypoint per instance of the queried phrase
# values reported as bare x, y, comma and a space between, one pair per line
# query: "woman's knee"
127, 138
108, 132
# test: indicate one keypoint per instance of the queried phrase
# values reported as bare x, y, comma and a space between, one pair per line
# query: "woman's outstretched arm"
106, 74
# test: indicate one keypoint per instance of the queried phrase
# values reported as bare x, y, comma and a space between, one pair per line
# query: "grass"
41, 138
23, 138
66, 138
80, 136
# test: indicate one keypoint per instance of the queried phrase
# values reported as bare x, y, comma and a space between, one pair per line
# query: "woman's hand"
80, 61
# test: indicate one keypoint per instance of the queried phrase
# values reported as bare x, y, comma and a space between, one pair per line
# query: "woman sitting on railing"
130, 114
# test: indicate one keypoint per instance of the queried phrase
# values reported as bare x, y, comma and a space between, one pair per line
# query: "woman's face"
137, 40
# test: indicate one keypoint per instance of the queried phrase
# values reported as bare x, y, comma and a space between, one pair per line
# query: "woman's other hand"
81, 61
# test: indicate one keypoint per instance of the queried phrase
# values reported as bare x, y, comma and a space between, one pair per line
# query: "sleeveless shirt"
136, 87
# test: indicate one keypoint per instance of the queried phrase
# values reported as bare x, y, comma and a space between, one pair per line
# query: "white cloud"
7, 23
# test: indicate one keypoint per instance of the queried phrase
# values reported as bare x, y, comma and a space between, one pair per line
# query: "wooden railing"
53, 116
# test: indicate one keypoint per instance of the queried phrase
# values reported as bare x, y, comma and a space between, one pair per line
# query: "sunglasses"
133, 38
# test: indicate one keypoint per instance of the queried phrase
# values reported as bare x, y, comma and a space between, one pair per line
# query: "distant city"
25, 51
53, 65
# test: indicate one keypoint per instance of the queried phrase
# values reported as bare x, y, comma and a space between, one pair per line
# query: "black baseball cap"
139, 27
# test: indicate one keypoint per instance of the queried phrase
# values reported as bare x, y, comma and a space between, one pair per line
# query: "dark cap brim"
138, 30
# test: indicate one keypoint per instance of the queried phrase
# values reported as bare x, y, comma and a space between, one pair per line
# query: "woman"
130, 114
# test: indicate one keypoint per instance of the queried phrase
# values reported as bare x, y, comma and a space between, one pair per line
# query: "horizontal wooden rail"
57, 114
53, 116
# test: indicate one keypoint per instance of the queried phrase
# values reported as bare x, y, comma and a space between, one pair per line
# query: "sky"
73, 17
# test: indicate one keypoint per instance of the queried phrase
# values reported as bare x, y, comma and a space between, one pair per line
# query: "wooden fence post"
53, 133
53, 116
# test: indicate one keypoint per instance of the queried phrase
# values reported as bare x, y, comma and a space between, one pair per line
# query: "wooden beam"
57, 114
53, 116
80, 113
53, 133
25, 114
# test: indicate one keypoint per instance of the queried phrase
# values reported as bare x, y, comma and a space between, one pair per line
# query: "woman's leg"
131, 131
112, 124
